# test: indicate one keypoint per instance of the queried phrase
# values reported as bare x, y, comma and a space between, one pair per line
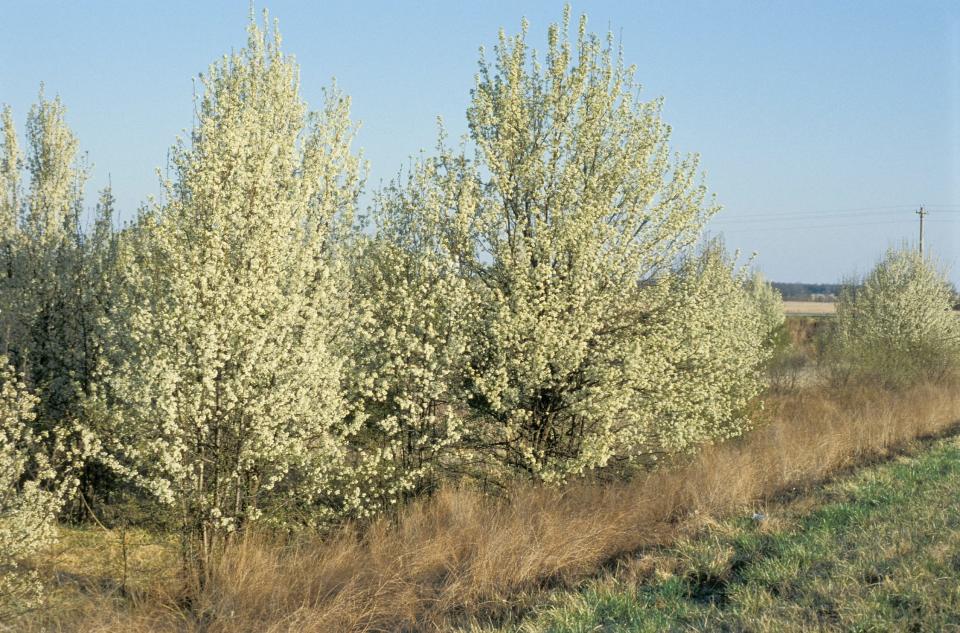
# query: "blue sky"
821, 125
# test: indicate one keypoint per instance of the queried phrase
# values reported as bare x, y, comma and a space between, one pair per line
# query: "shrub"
410, 345
29, 497
897, 326
711, 341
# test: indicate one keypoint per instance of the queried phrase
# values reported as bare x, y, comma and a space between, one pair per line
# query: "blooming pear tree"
568, 210
708, 340
410, 349
898, 325
769, 302
45, 312
50, 262
228, 385
10, 237
49, 310
42, 253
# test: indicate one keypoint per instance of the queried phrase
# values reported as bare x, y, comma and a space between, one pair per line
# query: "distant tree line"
795, 291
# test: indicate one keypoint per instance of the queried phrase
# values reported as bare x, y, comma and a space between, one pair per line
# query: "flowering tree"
769, 302
43, 251
50, 262
227, 388
10, 166
51, 275
409, 352
709, 341
898, 324
563, 221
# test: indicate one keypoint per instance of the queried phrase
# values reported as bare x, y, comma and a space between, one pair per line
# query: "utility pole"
922, 212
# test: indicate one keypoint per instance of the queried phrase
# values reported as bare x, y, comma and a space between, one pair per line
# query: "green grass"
877, 551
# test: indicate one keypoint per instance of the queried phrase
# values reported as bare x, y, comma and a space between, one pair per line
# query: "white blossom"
225, 389
30, 494
564, 223
898, 324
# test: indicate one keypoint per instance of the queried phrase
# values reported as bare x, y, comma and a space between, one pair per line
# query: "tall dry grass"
460, 557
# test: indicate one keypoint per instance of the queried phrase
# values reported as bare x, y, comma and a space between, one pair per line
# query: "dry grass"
809, 308
873, 550
461, 557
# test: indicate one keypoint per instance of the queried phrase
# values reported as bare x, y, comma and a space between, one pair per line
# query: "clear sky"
821, 125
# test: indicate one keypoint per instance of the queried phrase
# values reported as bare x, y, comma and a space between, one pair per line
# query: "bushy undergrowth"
30, 496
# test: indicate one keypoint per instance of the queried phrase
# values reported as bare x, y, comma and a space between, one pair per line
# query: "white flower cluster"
898, 324
29, 494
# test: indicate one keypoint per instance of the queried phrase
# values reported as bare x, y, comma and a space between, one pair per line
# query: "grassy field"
875, 551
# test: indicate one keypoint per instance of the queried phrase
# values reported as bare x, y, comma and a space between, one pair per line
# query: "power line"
798, 218
808, 212
802, 227
811, 216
